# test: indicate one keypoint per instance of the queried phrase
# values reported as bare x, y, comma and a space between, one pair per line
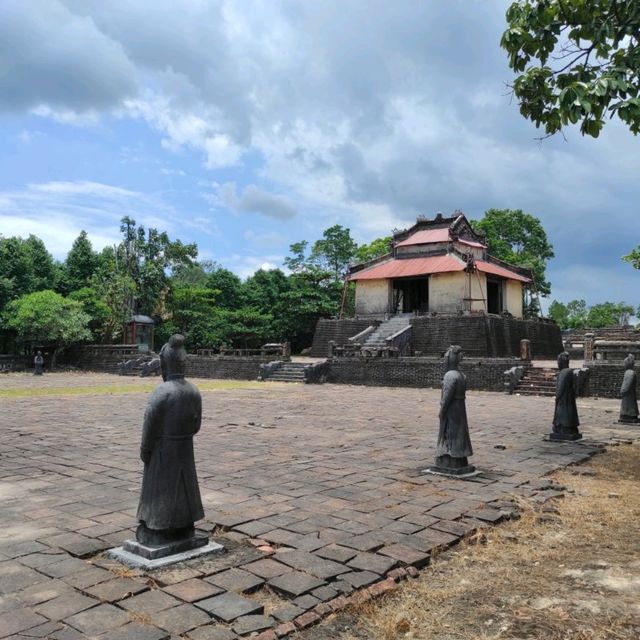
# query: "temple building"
438, 266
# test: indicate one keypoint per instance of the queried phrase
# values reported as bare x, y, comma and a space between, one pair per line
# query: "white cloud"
57, 211
254, 199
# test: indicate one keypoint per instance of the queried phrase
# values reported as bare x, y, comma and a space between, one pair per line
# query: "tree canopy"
577, 61
47, 318
576, 315
520, 239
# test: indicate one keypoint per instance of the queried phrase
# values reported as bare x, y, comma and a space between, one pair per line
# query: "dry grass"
35, 392
568, 569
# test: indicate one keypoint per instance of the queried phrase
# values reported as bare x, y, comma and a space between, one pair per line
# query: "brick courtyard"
315, 491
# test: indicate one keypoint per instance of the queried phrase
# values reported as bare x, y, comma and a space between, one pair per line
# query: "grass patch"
35, 392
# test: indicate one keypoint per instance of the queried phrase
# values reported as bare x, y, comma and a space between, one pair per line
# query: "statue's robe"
565, 417
629, 404
453, 437
170, 497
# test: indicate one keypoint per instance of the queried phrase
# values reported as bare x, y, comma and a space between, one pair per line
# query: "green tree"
375, 249
81, 264
148, 257
577, 61
25, 266
334, 250
96, 308
559, 313
520, 239
47, 318
577, 314
609, 314
228, 287
633, 258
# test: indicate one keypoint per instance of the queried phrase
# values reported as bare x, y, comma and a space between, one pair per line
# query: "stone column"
588, 346
525, 350
332, 344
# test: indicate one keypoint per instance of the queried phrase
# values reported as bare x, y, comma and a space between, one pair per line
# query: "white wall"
448, 290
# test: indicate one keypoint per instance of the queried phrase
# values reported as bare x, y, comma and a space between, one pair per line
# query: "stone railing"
268, 368
317, 373
512, 378
399, 344
360, 338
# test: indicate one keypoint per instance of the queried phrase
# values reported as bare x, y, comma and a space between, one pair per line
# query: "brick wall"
605, 378
103, 358
338, 330
480, 336
10, 362
481, 374
227, 367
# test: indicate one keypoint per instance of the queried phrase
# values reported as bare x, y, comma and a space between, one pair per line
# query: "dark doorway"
410, 294
494, 296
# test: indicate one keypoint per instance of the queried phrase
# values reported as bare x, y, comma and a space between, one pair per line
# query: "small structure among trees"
442, 266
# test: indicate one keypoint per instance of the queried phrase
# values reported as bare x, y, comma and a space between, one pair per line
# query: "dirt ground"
567, 569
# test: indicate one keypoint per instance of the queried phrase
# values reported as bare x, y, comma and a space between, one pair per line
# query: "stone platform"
316, 492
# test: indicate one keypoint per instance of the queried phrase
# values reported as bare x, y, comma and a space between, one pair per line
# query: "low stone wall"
10, 362
227, 367
482, 374
605, 378
102, 358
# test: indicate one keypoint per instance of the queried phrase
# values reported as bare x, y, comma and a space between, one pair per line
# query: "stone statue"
170, 500
629, 405
38, 364
454, 444
565, 417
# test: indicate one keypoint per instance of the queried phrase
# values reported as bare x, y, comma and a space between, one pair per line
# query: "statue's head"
453, 356
629, 361
173, 355
563, 360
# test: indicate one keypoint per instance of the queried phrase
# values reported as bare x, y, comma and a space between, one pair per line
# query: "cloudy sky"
248, 125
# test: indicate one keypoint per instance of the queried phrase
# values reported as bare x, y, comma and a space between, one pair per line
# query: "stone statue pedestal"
565, 437
140, 556
450, 466
169, 548
628, 420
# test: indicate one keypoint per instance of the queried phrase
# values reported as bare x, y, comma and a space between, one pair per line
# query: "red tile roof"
426, 236
494, 269
396, 268
410, 267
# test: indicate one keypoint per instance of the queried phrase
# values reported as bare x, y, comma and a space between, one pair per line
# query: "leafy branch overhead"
577, 61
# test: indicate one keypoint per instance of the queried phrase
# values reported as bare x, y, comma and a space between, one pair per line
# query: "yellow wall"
372, 296
448, 290
513, 298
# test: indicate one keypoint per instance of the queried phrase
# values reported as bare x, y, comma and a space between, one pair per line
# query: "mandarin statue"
629, 404
454, 443
565, 417
38, 364
170, 500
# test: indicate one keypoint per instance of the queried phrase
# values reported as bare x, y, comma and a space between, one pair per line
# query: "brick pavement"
314, 490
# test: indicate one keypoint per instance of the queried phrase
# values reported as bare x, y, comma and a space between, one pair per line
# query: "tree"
334, 250
559, 313
633, 258
25, 266
520, 239
148, 258
375, 249
609, 314
47, 318
576, 60
80, 265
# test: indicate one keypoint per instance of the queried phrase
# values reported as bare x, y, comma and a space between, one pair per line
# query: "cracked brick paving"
315, 491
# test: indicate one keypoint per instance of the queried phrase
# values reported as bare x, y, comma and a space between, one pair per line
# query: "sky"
248, 125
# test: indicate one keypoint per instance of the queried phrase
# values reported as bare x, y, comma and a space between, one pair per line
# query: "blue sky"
246, 126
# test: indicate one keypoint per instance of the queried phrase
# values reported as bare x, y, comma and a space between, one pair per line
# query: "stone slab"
138, 562
229, 606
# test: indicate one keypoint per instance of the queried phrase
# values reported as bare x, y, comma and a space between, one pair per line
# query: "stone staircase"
289, 372
538, 381
376, 340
